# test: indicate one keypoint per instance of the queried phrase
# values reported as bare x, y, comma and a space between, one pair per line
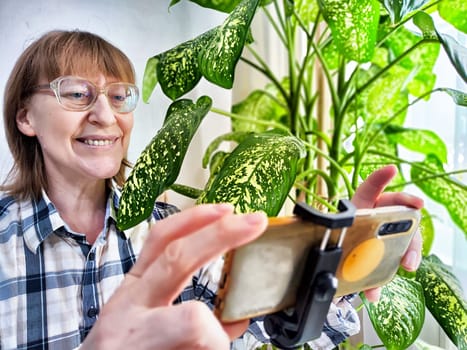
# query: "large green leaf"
419, 62
307, 10
236, 136
399, 314
218, 58
398, 9
258, 174
159, 164
386, 96
384, 99
427, 231
418, 140
455, 12
260, 105
459, 97
354, 26
456, 53
428, 176
220, 5
176, 69
444, 298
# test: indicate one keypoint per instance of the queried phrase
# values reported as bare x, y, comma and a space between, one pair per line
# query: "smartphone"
263, 276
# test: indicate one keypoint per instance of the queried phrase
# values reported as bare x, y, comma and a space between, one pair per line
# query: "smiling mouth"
98, 142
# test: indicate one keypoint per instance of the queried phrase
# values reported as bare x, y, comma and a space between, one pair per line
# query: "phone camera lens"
395, 227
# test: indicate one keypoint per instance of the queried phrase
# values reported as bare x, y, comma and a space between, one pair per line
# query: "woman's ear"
23, 122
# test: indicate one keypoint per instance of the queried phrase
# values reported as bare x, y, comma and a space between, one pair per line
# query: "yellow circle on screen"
363, 259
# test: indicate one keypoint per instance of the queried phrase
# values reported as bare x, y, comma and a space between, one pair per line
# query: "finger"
373, 294
368, 192
166, 277
174, 227
190, 325
236, 329
412, 257
399, 198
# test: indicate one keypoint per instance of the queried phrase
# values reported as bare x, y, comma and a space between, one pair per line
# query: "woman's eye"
76, 95
118, 98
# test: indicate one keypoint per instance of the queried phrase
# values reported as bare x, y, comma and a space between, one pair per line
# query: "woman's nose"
102, 112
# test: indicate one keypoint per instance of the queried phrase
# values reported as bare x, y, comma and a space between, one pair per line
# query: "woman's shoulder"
6, 203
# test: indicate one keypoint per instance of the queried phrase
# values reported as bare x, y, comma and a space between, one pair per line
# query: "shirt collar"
41, 218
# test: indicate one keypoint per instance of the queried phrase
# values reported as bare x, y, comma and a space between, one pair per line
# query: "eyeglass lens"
80, 94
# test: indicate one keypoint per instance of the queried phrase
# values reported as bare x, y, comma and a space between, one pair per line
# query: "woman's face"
78, 145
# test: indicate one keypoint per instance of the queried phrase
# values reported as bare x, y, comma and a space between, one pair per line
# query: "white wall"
141, 28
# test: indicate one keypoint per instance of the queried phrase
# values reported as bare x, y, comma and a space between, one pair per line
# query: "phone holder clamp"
289, 329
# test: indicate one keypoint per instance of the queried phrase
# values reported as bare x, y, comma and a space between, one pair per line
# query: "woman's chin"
103, 171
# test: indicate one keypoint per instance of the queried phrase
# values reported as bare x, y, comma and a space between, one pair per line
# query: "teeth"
98, 142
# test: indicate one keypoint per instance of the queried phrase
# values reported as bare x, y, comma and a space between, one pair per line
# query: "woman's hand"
141, 313
370, 195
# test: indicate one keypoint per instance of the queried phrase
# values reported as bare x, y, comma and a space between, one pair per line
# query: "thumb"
367, 193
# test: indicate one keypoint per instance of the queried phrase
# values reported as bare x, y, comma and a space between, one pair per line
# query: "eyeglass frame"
54, 86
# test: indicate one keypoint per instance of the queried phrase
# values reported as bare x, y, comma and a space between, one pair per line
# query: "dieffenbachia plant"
376, 69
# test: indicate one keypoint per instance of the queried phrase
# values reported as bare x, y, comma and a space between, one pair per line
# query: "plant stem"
271, 124
266, 71
274, 25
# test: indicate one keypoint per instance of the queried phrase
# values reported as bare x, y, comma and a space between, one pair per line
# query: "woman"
69, 277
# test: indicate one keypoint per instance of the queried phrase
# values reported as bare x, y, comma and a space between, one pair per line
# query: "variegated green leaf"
224, 5
159, 164
219, 5
399, 314
459, 97
455, 12
441, 188
258, 174
307, 10
398, 9
177, 69
419, 63
383, 100
426, 24
456, 53
354, 26
418, 140
444, 298
260, 105
236, 136
427, 231
386, 96
219, 57
150, 78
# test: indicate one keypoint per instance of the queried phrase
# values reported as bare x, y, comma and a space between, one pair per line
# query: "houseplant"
375, 69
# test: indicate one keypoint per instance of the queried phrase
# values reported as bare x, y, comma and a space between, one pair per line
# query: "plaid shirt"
53, 283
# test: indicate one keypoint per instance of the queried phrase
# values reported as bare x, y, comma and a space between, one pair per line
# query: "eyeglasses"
77, 94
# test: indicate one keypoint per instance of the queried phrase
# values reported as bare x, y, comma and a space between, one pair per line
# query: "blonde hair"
54, 54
